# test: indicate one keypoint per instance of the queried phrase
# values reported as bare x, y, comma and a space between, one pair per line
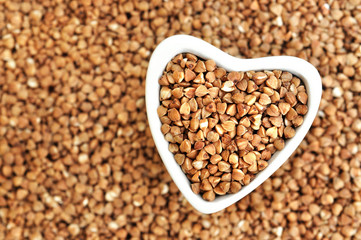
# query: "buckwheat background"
77, 160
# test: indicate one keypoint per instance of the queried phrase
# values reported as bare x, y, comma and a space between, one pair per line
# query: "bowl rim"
174, 45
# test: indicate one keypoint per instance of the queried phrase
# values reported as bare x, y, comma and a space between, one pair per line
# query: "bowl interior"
172, 46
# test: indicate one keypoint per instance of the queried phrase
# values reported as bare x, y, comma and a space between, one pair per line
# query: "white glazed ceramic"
174, 45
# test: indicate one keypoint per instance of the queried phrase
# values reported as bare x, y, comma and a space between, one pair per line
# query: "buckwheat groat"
223, 127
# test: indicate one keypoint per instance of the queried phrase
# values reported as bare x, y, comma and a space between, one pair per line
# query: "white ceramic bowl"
174, 45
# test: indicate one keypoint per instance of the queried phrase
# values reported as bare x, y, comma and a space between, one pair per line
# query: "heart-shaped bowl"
174, 45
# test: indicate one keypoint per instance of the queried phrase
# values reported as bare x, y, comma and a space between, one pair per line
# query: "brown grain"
61, 54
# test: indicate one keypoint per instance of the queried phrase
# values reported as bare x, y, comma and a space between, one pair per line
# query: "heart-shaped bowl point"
172, 46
